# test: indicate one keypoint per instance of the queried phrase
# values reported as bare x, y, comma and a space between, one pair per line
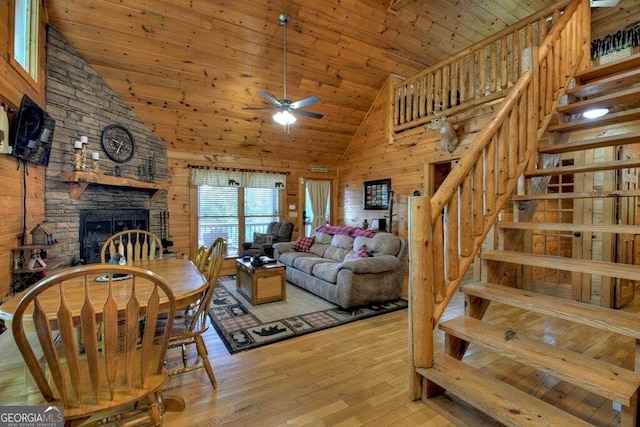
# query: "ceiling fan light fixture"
284, 118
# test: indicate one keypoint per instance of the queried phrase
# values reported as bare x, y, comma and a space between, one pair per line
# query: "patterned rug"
242, 326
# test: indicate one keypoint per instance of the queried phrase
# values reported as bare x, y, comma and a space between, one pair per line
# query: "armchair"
263, 242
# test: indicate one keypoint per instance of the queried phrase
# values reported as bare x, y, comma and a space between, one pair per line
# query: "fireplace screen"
96, 226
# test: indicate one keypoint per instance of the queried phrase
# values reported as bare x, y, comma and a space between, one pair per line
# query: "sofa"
347, 266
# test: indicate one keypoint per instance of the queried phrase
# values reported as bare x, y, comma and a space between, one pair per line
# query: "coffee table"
259, 285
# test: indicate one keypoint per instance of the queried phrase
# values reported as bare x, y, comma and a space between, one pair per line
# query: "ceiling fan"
285, 109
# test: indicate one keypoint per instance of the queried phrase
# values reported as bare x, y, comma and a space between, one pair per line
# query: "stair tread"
586, 144
603, 268
576, 195
605, 70
604, 379
604, 101
607, 319
497, 399
607, 119
606, 84
555, 226
590, 167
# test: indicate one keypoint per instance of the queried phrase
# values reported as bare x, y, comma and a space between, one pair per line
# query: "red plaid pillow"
363, 252
303, 244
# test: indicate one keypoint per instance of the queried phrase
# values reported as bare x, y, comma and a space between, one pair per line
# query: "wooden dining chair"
134, 245
92, 374
190, 324
201, 258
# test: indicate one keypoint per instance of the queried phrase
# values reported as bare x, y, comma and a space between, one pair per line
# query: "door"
317, 206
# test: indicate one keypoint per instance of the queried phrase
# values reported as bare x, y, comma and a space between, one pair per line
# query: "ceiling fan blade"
270, 98
257, 108
306, 113
304, 102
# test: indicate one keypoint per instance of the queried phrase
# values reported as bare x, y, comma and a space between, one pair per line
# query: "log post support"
421, 352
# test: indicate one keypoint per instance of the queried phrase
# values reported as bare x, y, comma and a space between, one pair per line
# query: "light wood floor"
356, 374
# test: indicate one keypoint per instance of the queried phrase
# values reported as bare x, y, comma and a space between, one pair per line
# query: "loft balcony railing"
476, 75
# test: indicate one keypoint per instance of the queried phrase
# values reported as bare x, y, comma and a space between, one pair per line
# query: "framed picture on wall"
376, 194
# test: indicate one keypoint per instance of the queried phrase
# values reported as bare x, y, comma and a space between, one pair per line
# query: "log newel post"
585, 35
420, 291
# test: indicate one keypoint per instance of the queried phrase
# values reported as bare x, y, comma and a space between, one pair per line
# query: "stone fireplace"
83, 216
97, 225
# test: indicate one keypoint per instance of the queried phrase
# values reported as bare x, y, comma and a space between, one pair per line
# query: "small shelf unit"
22, 276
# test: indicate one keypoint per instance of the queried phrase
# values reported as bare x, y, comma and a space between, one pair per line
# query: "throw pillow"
363, 252
303, 244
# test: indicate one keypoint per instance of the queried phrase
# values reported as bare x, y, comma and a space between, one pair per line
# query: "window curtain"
236, 178
319, 198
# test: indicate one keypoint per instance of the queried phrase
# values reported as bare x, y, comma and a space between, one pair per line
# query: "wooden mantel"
79, 181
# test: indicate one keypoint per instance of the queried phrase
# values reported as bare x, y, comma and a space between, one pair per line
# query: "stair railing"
475, 75
447, 230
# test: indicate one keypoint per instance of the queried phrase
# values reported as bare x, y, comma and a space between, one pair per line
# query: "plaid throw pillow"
363, 252
303, 244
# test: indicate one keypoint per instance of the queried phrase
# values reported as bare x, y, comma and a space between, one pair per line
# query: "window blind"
219, 214
260, 208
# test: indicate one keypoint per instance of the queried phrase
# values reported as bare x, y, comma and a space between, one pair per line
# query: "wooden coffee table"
262, 284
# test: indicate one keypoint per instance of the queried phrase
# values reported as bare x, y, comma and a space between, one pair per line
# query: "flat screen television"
33, 133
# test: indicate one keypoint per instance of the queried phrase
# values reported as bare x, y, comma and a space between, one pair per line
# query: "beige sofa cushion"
306, 264
380, 244
289, 258
327, 271
341, 245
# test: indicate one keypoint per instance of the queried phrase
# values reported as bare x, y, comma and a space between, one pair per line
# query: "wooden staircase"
517, 257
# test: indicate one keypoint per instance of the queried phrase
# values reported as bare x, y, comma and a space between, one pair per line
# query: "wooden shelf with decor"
22, 255
79, 181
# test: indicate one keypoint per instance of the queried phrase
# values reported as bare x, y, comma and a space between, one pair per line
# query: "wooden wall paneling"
12, 87
609, 20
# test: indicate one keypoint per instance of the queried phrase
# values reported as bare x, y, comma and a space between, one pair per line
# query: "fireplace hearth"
96, 226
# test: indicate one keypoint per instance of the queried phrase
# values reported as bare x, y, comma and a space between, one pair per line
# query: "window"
25, 35
232, 212
260, 208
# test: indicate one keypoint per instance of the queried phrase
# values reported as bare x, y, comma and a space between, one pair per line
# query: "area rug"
242, 326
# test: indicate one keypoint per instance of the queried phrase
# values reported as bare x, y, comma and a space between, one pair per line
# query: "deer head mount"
449, 140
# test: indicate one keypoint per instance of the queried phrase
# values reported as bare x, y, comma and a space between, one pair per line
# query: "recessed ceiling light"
595, 113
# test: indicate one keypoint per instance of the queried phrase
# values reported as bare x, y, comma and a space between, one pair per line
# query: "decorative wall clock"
118, 143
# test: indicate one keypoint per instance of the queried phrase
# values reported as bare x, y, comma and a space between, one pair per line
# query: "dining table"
181, 274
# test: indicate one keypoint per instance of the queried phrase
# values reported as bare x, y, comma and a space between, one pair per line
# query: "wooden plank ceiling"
188, 68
